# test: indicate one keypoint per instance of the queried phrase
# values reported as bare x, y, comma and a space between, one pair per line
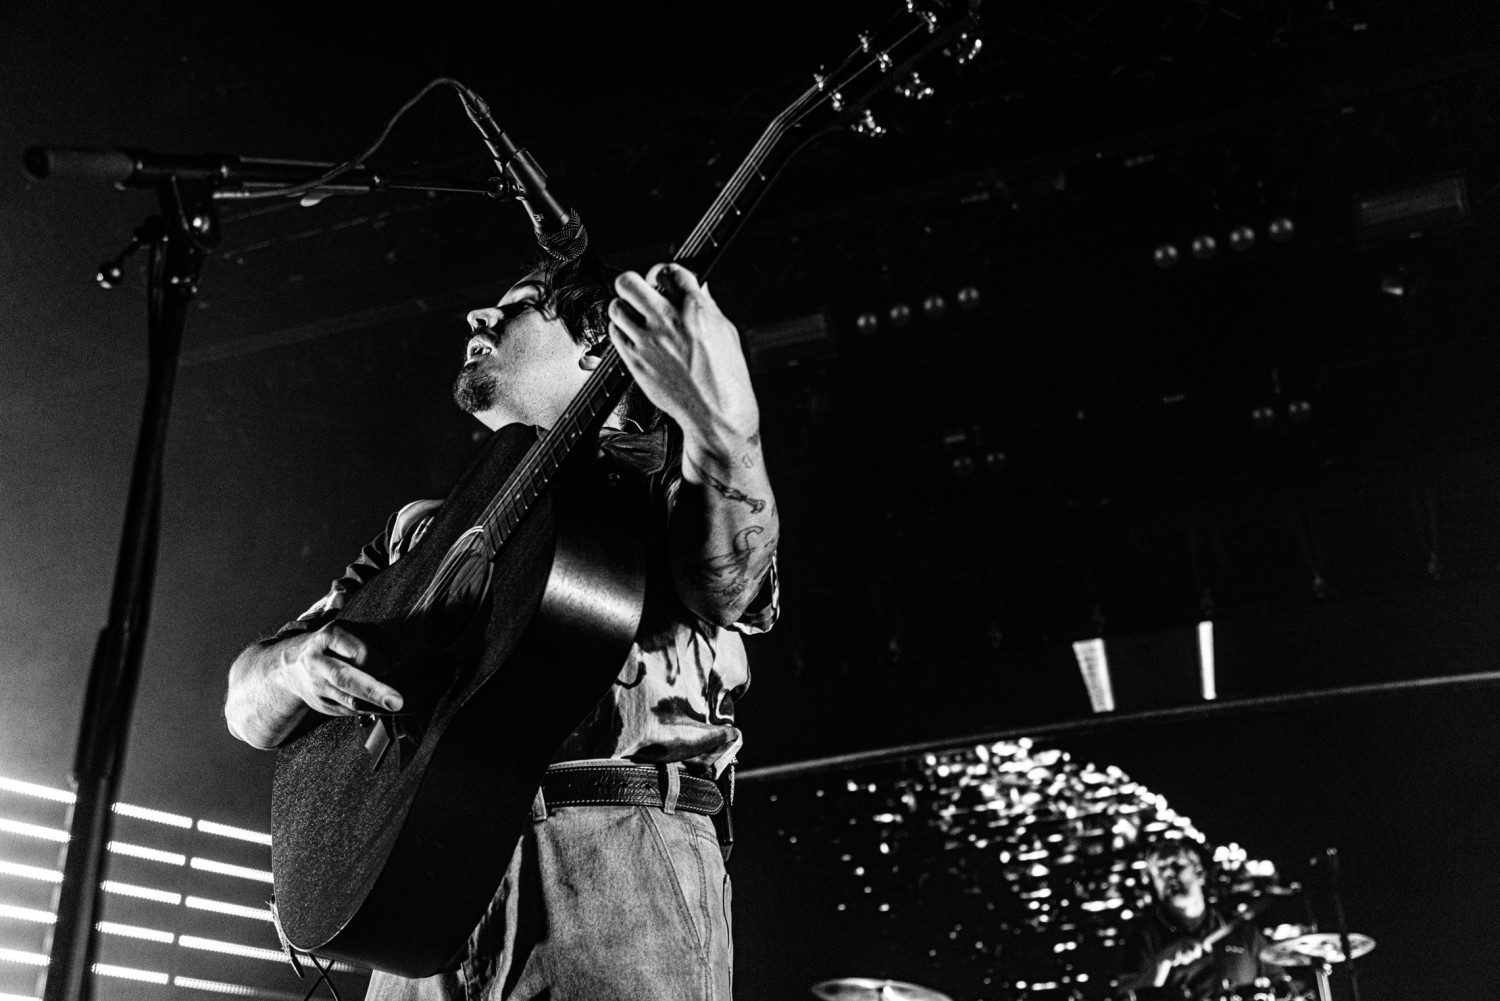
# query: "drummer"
1163, 949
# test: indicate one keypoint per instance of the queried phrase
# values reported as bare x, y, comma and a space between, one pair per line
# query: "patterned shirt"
674, 697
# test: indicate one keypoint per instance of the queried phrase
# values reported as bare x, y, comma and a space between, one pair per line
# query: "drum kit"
1293, 947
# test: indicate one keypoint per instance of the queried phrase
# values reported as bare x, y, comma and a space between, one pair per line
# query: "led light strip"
33, 830
224, 907
130, 973
123, 809
139, 892
239, 833
100, 969
27, 914
136, 931
217, 987
152, 854
30, 872
230, 948
36, 791
155, 816
253, 952
225, 869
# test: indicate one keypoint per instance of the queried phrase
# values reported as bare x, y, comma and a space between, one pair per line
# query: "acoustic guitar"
509, 620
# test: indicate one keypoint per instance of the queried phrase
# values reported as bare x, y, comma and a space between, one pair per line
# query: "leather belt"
611, 783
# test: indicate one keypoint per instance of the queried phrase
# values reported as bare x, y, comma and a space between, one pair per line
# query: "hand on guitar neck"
685, 355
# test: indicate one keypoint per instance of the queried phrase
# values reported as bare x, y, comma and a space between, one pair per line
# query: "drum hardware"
868, 989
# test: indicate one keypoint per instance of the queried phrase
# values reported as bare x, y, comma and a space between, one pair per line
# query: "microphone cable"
358, 161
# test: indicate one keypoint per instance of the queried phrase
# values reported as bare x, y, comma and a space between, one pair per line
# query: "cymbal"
1317, 947
867, 989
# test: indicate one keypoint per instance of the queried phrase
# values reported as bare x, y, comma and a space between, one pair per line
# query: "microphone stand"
184, 232
1343, 925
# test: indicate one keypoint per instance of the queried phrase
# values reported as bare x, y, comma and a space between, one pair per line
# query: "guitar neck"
599, 395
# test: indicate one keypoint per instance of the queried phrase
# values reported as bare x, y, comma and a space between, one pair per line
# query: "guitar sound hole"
451, 611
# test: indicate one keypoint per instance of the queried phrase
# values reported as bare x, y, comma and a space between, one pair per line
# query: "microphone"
559, 231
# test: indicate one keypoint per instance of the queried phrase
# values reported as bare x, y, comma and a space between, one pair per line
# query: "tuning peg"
914, 88
864, 41
966, 49
924, 14
867, 126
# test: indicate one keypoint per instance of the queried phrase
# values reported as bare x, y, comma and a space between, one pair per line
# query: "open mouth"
478, 348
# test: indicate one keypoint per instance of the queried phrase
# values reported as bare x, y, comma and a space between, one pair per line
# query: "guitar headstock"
890, 59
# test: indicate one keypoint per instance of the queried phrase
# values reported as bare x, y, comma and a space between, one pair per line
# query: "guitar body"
392, 866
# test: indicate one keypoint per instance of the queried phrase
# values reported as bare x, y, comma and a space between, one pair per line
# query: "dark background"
1096, 446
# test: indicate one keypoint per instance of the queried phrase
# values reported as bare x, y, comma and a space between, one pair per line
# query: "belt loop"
673, 774
538, 806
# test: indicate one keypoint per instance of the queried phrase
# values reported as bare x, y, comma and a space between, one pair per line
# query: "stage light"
1299, 411
867, 323
1206, 660
1093, 664
225, 869
1166, 256
900, 314
1393, 282
1262, 417
934, 306
1203, 247
239, 833
1281, 229
968, 297
1241, 238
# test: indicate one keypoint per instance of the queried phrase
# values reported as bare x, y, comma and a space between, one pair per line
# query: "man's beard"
476, 390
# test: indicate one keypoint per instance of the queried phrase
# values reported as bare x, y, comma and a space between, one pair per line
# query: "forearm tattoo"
755, 504
727, 575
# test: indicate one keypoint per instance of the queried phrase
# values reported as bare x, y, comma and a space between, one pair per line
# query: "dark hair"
1173, 847
578, 292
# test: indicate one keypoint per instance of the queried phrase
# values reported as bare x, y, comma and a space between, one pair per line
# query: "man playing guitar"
617, 888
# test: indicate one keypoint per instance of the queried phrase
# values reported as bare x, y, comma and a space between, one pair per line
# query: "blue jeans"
599, 903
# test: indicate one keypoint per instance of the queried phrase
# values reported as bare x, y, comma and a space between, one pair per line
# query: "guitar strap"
724, 819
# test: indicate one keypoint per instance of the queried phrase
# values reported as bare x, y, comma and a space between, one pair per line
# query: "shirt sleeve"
372, 559
763, 611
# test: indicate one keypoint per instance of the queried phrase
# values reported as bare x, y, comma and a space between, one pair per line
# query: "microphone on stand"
559, 231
